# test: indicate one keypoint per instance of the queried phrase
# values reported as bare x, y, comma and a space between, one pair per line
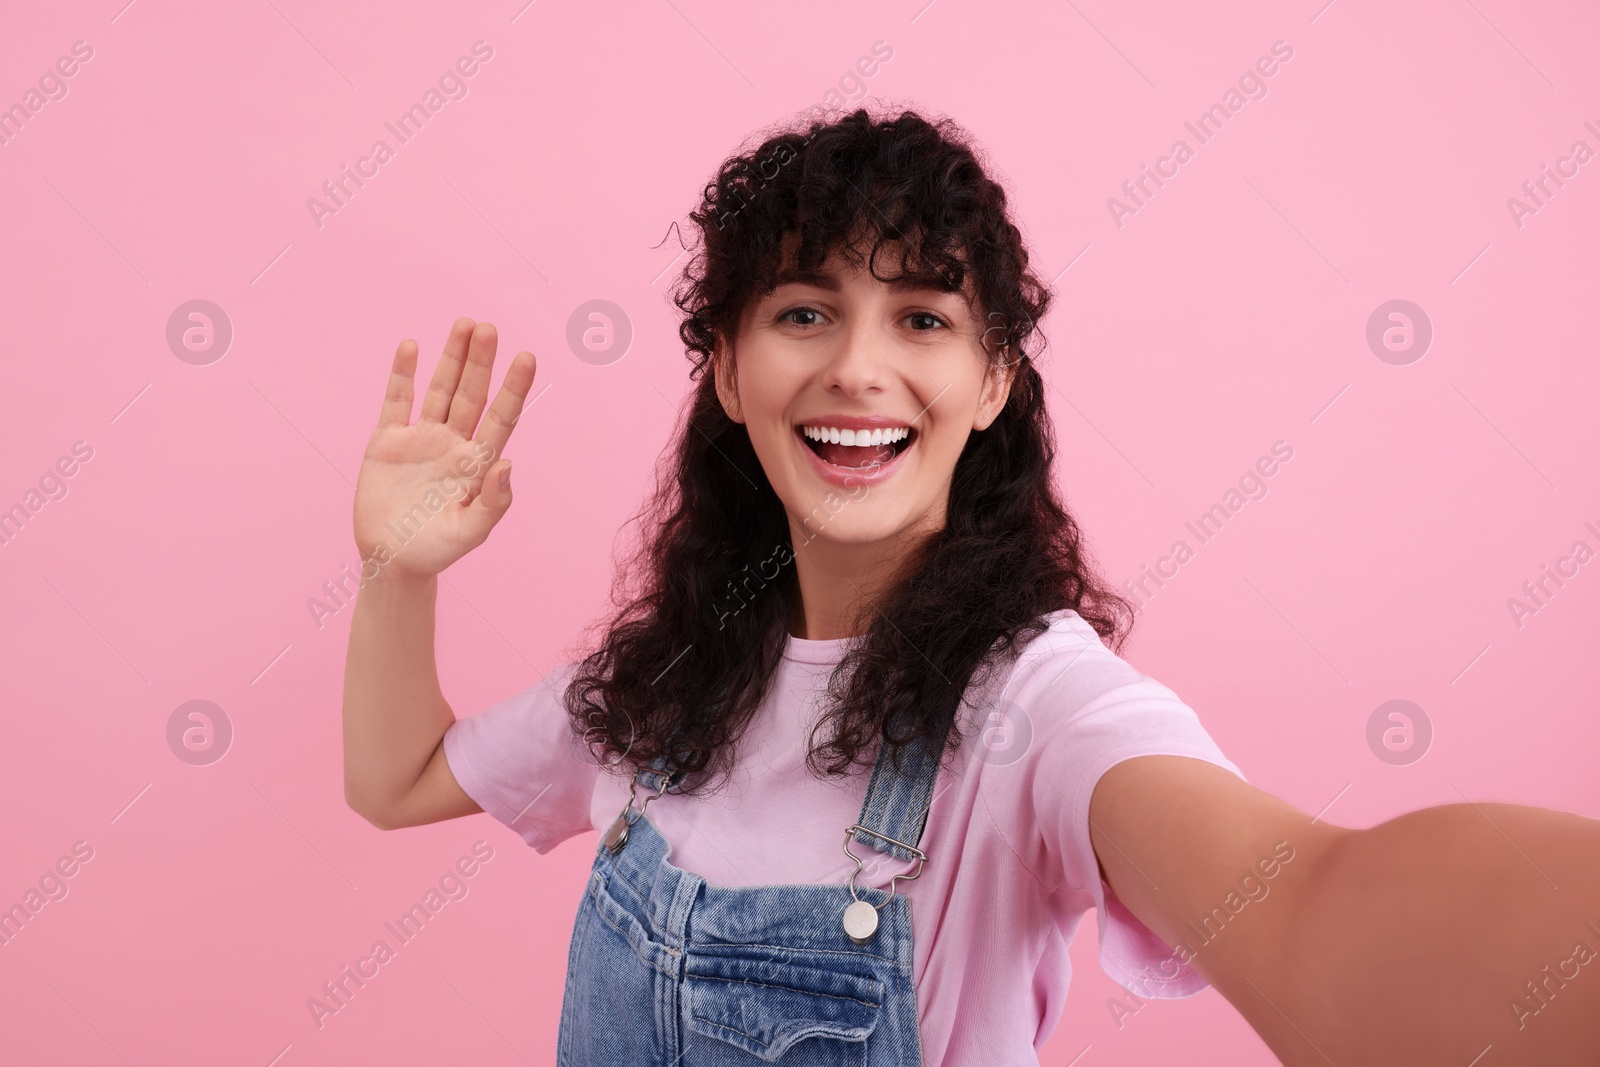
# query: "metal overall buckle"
861, 916
617, 835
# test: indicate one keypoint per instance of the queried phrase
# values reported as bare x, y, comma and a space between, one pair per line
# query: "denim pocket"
758, 1009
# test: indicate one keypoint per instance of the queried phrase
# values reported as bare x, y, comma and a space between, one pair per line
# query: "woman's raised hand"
430, 491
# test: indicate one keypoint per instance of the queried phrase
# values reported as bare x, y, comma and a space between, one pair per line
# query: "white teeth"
858, 438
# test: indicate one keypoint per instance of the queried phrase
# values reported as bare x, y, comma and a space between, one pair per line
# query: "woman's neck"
840, 585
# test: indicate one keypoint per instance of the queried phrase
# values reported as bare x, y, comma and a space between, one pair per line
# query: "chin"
839, 526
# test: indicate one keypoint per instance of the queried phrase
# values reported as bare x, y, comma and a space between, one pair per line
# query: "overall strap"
653, 777
895, 811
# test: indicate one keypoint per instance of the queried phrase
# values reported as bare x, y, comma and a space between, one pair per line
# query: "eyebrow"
822, 280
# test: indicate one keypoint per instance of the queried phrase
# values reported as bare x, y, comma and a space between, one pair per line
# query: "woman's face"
840, 354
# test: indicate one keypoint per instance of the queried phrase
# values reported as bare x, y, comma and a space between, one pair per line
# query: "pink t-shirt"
1010, 871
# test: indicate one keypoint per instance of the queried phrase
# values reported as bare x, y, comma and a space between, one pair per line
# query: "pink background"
1228, 313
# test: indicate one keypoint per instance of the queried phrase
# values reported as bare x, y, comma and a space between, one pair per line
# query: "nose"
857, 365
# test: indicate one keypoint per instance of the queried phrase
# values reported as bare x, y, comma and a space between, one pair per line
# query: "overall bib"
668, 970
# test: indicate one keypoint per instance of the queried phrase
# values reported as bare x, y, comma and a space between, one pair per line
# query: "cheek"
952, 414
946, 442
766, 393
766, 415
766, 420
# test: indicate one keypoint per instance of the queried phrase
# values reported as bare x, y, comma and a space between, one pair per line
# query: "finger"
508, 403
473, 390
495, 498
397, 397
436, 404
487, 508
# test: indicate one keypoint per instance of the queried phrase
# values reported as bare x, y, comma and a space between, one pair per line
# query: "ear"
727, 380
997, 381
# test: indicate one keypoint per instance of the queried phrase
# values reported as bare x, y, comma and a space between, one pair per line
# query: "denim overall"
667, 969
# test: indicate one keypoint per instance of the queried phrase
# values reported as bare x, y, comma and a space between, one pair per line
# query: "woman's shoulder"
1068, 663
1069, 710
1066, 687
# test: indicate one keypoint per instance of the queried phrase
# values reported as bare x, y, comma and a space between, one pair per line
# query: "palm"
420, 500
402, 466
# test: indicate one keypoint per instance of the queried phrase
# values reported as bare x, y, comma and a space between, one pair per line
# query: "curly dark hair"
678, 673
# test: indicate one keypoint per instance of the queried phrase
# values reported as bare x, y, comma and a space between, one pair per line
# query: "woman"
857, 560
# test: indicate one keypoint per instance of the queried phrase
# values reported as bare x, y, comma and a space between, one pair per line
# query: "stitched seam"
706, 947
615, 869
1137, 971
580, 941
723, 1026
769, 985
987, 814
720, 1026
1006, 688
628, 938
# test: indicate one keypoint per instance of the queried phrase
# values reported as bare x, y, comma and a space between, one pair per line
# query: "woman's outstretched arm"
428, 492
1467, 934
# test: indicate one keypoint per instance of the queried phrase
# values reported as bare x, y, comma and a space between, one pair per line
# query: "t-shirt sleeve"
521, 762
1088, 710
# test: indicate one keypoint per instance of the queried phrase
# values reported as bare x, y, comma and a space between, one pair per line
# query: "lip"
850, 477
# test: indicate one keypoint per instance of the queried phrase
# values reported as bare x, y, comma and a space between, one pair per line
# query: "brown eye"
798, 311
934, 320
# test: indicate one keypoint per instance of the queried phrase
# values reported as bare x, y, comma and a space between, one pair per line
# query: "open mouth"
857, 449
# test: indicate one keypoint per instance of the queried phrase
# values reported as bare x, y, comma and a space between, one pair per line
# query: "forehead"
844, 265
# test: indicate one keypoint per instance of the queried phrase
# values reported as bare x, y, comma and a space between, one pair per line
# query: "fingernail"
505, 477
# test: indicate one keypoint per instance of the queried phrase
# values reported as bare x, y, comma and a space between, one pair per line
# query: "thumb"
495, 496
